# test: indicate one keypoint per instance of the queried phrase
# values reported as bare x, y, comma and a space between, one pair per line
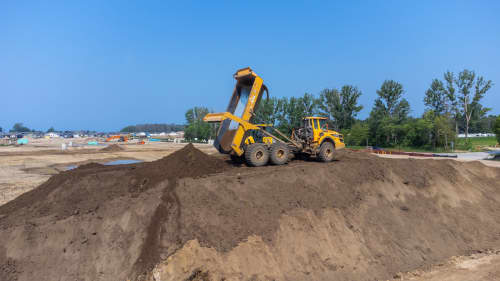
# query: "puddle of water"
123, 162
71, 167
495, 154
110, 163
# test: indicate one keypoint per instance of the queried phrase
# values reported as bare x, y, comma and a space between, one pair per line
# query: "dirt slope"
192, 216
112, 148
95, 222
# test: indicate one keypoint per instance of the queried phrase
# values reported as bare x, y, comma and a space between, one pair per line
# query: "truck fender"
328, 139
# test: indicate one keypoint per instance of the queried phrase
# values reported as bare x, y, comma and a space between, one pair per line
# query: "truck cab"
316, 130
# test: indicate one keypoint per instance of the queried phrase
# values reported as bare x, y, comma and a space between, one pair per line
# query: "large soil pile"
106, 213
112, 148
358, 218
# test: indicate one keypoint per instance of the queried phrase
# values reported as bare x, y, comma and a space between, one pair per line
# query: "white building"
179, 134
51, 135
477, 135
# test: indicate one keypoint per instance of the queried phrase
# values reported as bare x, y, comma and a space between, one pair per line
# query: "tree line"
196, 129
496, 128
153, 128
452, 105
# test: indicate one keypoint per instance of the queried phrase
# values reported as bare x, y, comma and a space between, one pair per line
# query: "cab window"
323, 124
307, 123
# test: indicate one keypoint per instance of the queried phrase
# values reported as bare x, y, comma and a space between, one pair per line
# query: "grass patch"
475, 145
405, 149
484, 141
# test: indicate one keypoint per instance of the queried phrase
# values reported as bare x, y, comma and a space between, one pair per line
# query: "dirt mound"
88, 195
112, 148
346, 154
358, 218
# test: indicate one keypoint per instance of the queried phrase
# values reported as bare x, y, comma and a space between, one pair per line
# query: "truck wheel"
279, 154
256, 155
326, 152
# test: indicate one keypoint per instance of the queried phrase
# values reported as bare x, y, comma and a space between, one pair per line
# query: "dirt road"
476, 267
490, 163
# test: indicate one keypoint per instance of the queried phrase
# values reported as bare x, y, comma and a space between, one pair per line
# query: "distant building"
477, 135
176, 135
51, 135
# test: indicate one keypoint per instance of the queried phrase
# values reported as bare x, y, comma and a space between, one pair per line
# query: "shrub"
496, 129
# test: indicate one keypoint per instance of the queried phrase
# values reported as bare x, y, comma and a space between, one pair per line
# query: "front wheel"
256, 155
326, 152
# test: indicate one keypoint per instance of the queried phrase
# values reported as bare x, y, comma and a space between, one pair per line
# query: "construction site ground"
193, 216
24, 167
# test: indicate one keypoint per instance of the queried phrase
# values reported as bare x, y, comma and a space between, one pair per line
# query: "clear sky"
103, 65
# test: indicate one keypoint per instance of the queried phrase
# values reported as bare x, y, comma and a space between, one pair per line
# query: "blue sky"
106, 64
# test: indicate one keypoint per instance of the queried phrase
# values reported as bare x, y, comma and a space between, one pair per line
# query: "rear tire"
326, 152
279, 154
256, 155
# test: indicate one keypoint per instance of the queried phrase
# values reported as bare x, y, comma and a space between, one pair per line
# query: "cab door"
316, 129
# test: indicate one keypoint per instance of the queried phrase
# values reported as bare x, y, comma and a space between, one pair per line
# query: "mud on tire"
326, 152
279, 153
257, 155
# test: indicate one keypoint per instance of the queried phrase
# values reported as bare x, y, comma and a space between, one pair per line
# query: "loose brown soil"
85, 192
191, 215
112, 148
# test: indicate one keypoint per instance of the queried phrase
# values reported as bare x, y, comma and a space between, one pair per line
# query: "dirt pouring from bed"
191, 216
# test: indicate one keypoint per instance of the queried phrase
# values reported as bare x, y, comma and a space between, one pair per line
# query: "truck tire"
326, 152
279, 153
256, 155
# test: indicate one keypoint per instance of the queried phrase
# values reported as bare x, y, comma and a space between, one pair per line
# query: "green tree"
51, 130
390, 111
390, 96
290, 112
267, 112
401, 111
358, 134
453, 105
153, 128
471, 89
129, 129
308, 104
496, 128
436, 97
479, 119
443, 131
20, 128
196, 129
1, 130
439, 108
417, 132
341, 106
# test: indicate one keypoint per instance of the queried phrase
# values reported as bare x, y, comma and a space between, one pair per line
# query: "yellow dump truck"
236, 131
